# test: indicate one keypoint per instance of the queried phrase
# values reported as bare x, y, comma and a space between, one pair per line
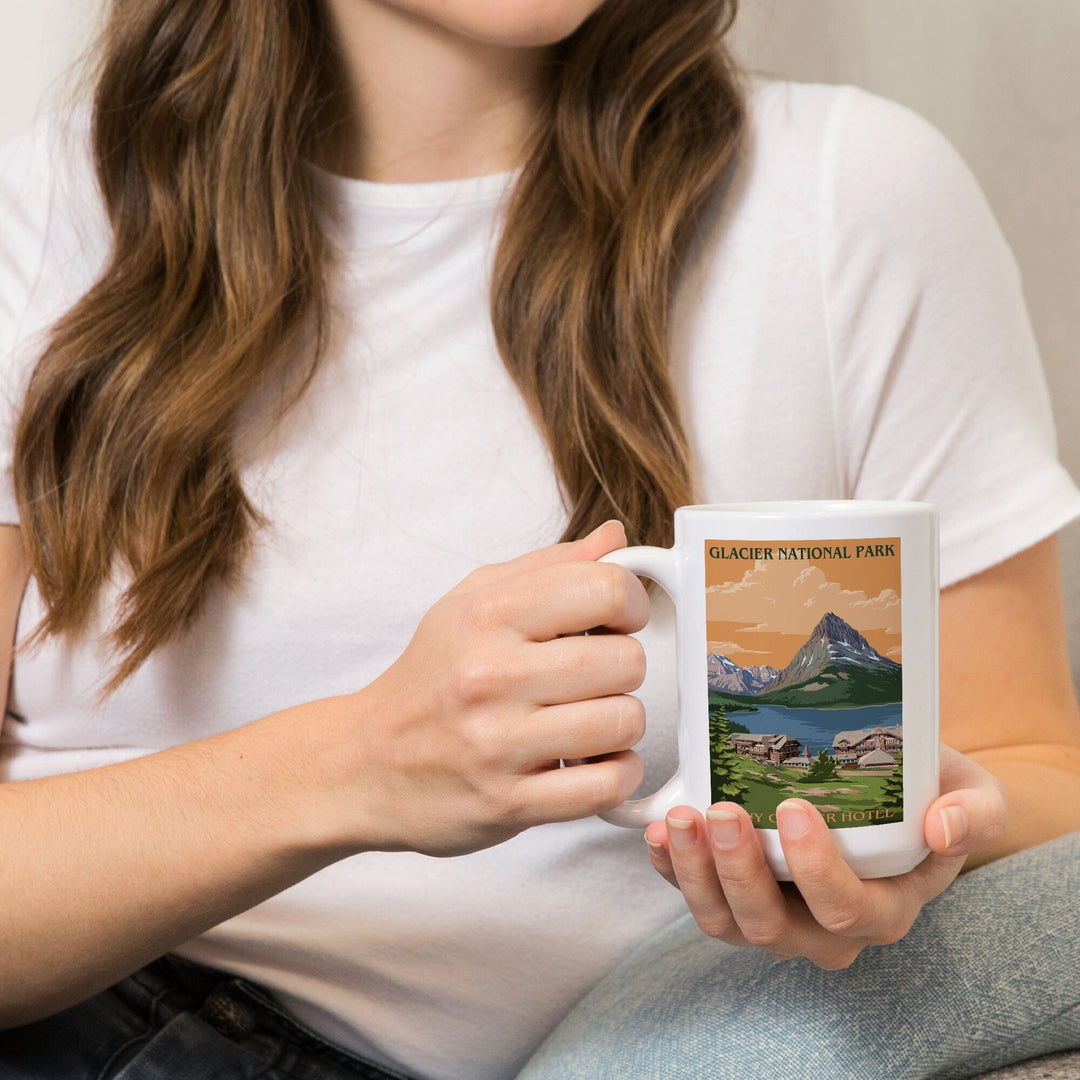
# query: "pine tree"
892, 791
824, 768
727, 785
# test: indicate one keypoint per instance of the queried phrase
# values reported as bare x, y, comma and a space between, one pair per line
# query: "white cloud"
789, 598
730, 648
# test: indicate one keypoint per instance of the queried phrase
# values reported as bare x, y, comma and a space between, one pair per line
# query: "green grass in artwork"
851, 800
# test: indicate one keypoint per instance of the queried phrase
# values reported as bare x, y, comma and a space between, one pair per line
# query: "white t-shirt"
851, 325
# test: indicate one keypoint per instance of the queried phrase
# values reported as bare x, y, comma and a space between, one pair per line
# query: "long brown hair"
204, 114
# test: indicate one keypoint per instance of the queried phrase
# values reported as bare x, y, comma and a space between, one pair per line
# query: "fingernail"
793, 820
610, 521
955, 823
723, 828
656, 849
681, 833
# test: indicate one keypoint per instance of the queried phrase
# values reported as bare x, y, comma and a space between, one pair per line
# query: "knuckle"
893, 931
479, 578
836, 959
607, 791
630, 720
633, 772
474, 679
844, 921
715, 925
503, 803
771, 936
610, 592
616, 780
786, 953
631, 662
484, 610
486, 741
740, 880
815, 874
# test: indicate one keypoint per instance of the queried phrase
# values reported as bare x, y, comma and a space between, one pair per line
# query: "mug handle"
661, 565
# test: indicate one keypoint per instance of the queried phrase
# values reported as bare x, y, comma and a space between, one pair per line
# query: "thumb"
965, 821
971, 812
604, 538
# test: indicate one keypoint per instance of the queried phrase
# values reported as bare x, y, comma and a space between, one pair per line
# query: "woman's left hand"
826, 913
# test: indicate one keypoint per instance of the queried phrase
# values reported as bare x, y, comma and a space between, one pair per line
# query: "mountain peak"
837, 664
832, 627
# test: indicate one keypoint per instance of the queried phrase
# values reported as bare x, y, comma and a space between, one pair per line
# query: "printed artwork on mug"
804, 669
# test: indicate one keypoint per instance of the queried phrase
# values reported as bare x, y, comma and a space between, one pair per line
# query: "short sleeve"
52, 241
939, 390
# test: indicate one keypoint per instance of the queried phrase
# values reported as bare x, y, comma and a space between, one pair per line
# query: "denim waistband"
248, 1016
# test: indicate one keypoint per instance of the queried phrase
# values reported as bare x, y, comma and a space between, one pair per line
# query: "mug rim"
809, 507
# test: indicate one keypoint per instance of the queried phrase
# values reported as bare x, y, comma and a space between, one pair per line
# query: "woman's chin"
510, 23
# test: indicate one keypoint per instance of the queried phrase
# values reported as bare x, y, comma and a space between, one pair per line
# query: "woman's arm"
101, 871
1007, 698
455, 747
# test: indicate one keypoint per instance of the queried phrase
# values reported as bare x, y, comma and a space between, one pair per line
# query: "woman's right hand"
457, 746
454, 748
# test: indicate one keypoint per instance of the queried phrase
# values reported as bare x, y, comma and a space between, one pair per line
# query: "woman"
273, 429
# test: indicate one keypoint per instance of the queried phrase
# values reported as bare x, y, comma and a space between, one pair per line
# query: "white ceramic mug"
807, 656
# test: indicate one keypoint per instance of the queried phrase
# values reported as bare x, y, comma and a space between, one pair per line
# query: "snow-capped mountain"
836, 666
725, 674
834, 644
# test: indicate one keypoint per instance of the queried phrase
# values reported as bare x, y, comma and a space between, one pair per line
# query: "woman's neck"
421, 102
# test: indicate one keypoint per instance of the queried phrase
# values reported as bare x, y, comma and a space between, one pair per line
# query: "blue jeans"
990, 974
175, 1020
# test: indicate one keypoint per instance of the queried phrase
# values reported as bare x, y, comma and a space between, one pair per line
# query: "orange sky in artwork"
761, 612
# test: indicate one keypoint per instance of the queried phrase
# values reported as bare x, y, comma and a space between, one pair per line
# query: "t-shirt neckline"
432, 194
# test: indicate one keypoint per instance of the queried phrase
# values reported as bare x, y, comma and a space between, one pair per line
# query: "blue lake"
815, 728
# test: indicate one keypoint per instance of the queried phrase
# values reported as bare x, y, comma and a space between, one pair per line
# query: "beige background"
997, 76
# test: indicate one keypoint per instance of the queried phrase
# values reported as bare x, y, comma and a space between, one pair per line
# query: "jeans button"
227, 1015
